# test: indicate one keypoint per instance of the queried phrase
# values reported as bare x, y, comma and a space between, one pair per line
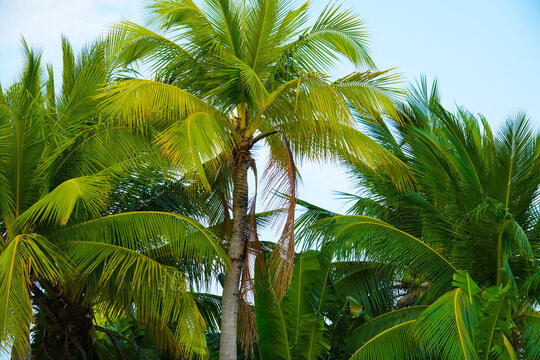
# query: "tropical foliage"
125, 204
326, 303
66, 260
474, 208
233, 75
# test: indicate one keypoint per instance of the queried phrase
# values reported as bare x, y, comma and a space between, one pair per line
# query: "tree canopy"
129, 228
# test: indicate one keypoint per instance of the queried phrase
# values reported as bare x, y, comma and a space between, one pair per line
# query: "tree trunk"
69, 324
231, 288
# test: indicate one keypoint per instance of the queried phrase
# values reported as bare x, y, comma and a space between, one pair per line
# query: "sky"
484, 53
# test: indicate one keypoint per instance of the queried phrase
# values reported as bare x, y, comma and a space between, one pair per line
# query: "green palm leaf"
531, 336
135, 102
393, 343
56, 207
447, 327
336, 31
22, 257
377, 240
198, 139
367, 331
164, 234
116, 255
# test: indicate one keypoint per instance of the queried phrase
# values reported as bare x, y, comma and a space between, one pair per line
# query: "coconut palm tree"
68, 260
474, 208
233, 75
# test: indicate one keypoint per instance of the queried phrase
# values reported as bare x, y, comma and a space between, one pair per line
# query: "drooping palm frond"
371, 238
126, 279
197, 140
116, 255
394, 343
56, 208
365, 332
112, 151
164, 234
531, 334
448, 326
281, 175
134, 101
25, 257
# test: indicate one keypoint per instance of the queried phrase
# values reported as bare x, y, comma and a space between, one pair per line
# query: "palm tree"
236, 74
475, 209
66, 259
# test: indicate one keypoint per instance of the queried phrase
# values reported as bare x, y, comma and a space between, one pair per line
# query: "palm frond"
226, 18
517, 162
272, 24
161, 234
371, 93
281, 176
369, 284
336, 32
23, 258
129, 43
447, 327
531, 336
199, 138
86, 195
123, 279
367, 331
22, 110
396, 342
138, 102
379, 241
307, 233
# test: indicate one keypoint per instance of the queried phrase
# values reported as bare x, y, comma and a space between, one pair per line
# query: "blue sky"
485, 54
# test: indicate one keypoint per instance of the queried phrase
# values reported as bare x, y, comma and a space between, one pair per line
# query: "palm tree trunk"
231, 288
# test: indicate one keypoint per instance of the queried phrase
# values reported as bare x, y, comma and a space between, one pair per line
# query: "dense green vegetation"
125, 200
68, 249
463, 241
